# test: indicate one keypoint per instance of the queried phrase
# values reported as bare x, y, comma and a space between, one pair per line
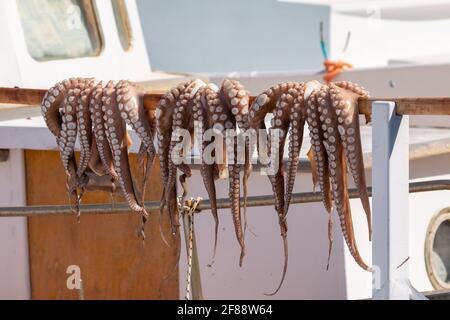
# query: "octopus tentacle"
84, 123
67, 139
130, 98
337, 166
50, 106
346, 105
164, 112
320, 154
69, 130
294, 99
234, 194
270, 101
353, 87
265, 103
237, 99
186, 173
100, 130
191, 95
358, 90
180, 120
320, 167
221, 119
280, 122
95, 162
200, 115
130, 101
117, 138
68, 127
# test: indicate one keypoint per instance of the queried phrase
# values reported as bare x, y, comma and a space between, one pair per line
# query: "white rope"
190, 251
188, 209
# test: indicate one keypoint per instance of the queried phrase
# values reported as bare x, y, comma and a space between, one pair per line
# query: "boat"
38, 250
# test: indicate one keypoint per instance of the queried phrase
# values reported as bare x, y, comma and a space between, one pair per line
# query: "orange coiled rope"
334, 68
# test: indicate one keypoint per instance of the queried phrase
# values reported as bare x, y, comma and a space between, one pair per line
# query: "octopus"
333, 119
331, 112
98, 114
60, 109
197, 107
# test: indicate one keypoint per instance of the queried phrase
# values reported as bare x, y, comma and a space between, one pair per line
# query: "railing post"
390, 179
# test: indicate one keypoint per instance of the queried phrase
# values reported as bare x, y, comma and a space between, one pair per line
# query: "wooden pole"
411, 106
405, 106
29, 97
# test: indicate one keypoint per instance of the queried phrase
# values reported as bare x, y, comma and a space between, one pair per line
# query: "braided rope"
188, 209
191, 245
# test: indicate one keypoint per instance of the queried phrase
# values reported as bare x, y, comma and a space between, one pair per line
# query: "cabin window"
60, 29
437, 250
123, 23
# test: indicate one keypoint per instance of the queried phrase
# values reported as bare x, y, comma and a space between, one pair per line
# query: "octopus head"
310, 87
213, 87
196, 85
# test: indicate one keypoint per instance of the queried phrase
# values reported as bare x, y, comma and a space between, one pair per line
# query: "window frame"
90, 12
123, 24
435, 222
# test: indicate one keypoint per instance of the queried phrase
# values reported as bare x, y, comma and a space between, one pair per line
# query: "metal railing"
256, 201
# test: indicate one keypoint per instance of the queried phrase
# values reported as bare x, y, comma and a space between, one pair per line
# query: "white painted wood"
112, 62
14, 266
390, 178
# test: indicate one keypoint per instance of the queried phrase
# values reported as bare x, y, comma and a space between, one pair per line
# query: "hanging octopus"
97, 115
333, 117
211, 108
60, 109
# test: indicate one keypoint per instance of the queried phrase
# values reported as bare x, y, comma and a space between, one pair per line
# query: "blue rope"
323, 46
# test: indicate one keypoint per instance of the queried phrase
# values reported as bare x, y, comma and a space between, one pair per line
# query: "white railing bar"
390, 178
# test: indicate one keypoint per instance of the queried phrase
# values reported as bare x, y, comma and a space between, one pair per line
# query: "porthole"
437, 250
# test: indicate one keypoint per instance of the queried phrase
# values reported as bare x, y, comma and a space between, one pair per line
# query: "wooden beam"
405, 106
411, 106
29, 97
423, 106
